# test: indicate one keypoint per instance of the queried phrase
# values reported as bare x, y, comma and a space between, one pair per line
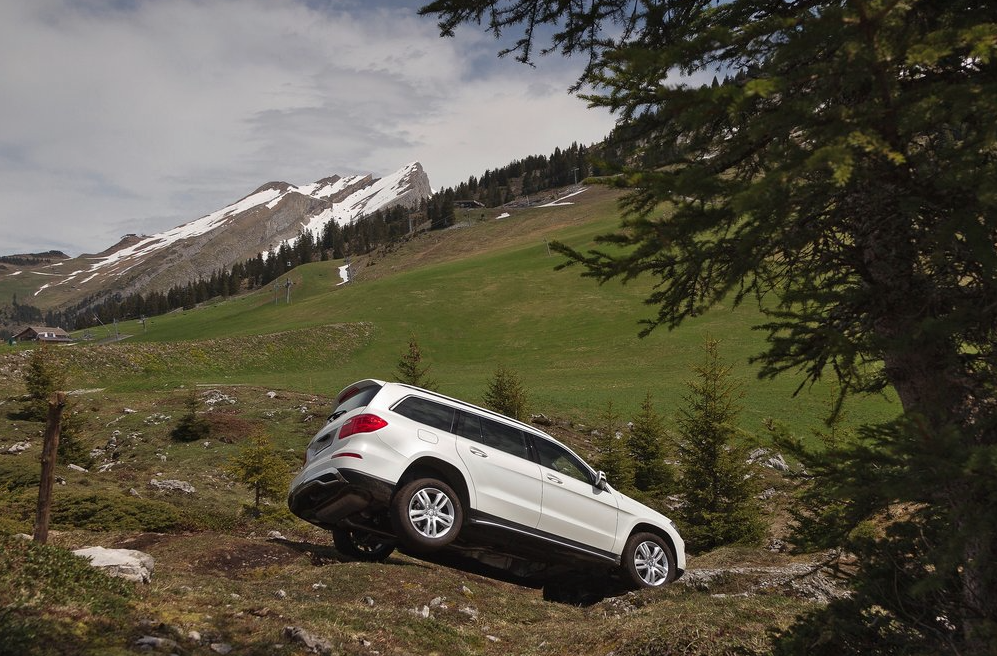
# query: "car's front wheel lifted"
648, 561
427, 514
361, 545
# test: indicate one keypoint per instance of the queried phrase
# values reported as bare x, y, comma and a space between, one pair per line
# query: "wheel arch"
643, 527
428, 466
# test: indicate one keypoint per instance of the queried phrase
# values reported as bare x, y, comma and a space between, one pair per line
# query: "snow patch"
559, 203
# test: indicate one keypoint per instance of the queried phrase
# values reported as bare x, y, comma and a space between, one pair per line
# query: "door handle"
554, 479
478, 452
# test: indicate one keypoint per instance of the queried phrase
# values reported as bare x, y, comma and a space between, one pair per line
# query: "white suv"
397, 464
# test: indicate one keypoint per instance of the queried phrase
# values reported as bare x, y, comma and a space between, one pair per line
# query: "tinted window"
358, 400
426, 412
561, 460
504, 438
468, 426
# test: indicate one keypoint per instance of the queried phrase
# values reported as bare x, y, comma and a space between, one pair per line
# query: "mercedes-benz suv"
397, 465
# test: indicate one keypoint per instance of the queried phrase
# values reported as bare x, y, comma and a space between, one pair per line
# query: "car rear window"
357, 400
426, 412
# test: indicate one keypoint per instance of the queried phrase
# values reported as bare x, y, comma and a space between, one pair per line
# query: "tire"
426, 514
361, 545
648, 561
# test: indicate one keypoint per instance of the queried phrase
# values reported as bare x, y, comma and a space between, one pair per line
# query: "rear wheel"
648, 561
361, 545
427, 514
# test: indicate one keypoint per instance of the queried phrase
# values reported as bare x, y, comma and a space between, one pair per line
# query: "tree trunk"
50, 452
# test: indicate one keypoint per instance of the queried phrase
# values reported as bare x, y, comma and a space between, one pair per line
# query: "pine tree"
506, 394
647, 448
843, 175
410, 369
191, 427
43, 377
720, 506
614, 450
260, 467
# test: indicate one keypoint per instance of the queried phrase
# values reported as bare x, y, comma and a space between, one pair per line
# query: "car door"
573, 507
506, 482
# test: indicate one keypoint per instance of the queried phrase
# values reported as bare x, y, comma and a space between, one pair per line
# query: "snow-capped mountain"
275, 213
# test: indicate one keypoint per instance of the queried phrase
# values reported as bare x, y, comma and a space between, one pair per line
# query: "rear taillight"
361, 424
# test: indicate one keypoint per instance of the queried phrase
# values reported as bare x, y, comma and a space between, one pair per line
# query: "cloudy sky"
121, 116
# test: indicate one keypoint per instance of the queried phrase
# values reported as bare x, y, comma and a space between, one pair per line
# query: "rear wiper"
336, 415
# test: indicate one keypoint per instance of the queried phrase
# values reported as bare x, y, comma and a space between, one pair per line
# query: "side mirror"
600, 480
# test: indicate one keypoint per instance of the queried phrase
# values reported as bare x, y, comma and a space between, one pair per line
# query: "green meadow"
475, 297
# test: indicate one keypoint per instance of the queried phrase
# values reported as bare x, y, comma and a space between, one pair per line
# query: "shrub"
110, 511
52, 599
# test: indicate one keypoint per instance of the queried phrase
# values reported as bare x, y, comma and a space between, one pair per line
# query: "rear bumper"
336, 495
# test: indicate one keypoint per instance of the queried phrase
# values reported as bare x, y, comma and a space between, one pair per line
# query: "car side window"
554, 456
426, 412
468, 426
504, 438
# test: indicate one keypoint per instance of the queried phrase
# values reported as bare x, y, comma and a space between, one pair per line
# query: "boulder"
312, 643
126, 563
172, 486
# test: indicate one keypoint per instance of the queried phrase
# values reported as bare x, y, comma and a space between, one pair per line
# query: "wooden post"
50, 450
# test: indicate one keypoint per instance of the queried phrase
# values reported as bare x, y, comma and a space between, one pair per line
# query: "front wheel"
426, 514
648, 561
361, 545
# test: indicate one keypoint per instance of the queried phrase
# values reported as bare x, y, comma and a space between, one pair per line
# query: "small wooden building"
43, 334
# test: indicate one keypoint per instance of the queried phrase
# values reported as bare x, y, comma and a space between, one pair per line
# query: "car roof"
356, 387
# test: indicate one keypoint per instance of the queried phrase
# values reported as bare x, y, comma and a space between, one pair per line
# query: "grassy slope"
474, 297
487, 295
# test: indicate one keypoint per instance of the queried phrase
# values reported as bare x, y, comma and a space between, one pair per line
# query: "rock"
194, 636
77, 468
272, 395
18, 447
132, 491
215, 397
777, 462
275, 535
471, 613
541, 420
125, 563
280, 594
221, 648
421, 612
129, 411
172, 486
23, 536
369, 601
312, 643
757, 454
152, 642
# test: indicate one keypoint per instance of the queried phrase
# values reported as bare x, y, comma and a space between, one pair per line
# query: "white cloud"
137, 116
